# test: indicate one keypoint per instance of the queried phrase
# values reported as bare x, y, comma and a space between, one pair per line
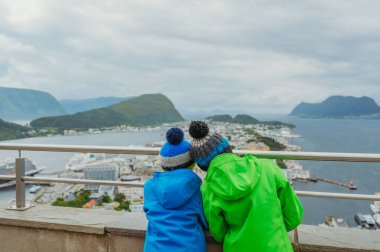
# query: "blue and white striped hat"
175, 153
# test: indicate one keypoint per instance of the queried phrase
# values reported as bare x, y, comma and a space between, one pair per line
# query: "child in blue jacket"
173, 201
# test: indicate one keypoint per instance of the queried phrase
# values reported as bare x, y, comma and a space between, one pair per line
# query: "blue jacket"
173, 207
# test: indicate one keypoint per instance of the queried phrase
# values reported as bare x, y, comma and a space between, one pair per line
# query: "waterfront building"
108, 190
133, 193
100, 171
136, 208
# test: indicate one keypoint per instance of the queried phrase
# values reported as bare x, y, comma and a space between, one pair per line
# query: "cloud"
252, 56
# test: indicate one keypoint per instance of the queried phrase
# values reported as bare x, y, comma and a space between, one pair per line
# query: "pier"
13, 183
351, 185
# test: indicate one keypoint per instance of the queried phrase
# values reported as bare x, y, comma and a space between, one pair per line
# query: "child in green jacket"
248, 202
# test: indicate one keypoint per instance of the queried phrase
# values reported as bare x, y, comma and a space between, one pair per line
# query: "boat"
376, 217
35, 189
352, 186
361, 220
79, 161
370, 221
375, 207
332, 221
7, 167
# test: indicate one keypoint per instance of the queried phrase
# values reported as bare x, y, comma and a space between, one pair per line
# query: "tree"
106, 198
119, 197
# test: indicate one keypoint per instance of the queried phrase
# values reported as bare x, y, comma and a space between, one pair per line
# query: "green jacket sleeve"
292, 209
214, 215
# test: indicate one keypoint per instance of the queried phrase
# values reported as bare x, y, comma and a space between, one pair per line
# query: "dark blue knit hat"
175, 153
206, 145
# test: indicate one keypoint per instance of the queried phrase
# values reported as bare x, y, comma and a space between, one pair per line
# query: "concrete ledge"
47, 228
24, 239
89, 221
314, 238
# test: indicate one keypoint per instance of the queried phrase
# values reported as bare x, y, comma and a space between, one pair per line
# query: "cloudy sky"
241, 56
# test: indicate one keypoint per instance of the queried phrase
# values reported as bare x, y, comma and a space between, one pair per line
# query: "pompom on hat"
206, 145
175, 153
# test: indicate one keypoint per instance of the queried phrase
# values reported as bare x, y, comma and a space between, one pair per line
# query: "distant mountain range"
74, 106
149, 109
338, 107
27, 104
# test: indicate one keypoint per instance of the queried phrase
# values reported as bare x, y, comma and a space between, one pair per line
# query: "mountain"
241, 118
144, 110
247, 119
221, 118
338, 106
74, 106
12, 131
27, 104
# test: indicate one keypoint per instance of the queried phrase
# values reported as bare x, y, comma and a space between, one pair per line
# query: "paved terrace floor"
58, 229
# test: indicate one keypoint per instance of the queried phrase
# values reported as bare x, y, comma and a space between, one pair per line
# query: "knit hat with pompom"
206, 145
175, 153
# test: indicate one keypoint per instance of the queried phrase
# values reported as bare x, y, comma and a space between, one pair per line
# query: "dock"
13, 183
351, 185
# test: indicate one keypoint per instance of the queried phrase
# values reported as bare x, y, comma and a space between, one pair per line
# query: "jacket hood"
232, 177
174, 189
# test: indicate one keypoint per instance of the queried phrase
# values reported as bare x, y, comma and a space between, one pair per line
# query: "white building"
136, 208
100, 171
108, 190
133, 193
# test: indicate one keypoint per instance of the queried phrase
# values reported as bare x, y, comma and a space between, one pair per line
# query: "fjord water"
337, 135
320, 135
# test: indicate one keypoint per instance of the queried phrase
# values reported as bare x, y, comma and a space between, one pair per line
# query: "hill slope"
241, 118
12, 131
144, 110
27, 104
338, 106
247, 119
74, 106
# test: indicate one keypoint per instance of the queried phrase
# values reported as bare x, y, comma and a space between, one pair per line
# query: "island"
339, 107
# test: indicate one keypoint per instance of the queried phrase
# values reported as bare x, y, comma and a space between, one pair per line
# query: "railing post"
20, 186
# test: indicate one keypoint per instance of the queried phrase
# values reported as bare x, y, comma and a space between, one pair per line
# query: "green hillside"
149, 109
12, 131
26, 104
247, 119
241, 118
75, 106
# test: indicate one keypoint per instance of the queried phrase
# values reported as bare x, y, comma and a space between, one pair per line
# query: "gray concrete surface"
58, 229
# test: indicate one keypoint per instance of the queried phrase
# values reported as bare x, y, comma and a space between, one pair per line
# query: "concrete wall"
56, 229
24, 239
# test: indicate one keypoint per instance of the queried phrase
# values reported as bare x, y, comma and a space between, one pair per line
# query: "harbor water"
321, 135
334, 135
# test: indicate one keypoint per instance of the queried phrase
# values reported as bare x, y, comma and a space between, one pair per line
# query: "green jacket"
249, 204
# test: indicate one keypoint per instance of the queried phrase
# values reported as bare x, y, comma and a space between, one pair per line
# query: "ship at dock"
375, 207
8, 168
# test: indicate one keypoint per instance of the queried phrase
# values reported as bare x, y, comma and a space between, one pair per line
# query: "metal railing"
20, 177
